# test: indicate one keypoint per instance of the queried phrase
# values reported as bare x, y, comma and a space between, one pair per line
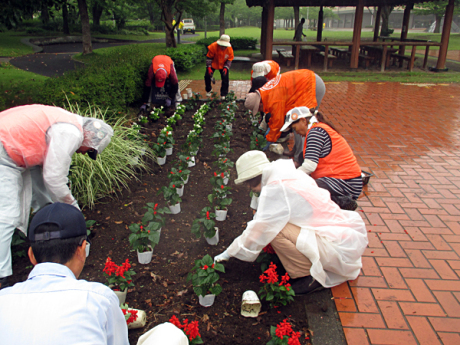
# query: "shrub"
94, 179
238, 43
186, 56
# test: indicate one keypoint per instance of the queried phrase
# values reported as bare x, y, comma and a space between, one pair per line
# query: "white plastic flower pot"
184, 96
189, 92
225, 180
140, 321
88, 245
221, 215
169, 151
186, 180
250, 305
229, 127
254, 202
121, 296
206, 301
175, 209
191, 162
180, 190
145, 257
161, 160
213, 240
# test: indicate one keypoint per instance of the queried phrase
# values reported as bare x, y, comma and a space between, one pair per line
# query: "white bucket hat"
250, 165
260, 69
293, 115
163, 334
224, 40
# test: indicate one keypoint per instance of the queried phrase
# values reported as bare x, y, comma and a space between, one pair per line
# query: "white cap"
260, 69
293, 115
224, 40
163, 334
250, 165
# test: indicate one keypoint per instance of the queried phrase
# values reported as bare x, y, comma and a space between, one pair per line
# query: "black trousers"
225, 81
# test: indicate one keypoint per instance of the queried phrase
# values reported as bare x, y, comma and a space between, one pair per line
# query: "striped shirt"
319, 145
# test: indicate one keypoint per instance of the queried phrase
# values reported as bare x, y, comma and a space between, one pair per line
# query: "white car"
189, 26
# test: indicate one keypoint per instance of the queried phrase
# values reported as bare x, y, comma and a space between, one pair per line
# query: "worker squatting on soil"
286, 91
52, 306
262, 72
36, 147
328, 158
219, 57
318, 244
165, 90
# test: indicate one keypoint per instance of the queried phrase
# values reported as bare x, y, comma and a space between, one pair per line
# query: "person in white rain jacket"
36, 147
318, 244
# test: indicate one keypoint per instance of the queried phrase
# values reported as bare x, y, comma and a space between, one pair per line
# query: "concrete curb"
27, 42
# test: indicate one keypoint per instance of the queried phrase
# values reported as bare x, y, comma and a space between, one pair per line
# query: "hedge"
116, 76
238, 43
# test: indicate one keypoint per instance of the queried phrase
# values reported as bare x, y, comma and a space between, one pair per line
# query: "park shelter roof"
332, 3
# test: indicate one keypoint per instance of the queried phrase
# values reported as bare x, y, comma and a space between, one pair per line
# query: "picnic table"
306, 52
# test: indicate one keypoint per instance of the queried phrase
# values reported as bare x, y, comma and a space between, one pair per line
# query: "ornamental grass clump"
283, 334
112, 170
191, 329
205, 221
118, 277
276, 292
204, 276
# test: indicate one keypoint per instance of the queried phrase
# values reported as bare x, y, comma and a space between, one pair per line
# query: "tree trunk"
296, 16
65, 18
45, 15
151, 13
222, 18
437, 28
169, 29
85, 28
97, 13
386, 10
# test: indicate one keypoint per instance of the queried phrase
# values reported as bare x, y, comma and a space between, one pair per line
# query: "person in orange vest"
36, 147
262, 72
327, 156
165, 90
286, 91
219, 57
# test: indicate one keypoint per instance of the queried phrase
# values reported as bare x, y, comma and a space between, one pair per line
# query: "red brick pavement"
408, 136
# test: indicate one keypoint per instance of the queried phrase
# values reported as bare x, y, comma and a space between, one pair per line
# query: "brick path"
408, 136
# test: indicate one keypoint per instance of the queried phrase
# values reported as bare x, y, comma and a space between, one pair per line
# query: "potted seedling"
206, 220
204, 278
154, 217
119, 278
167, 138
274, 291
258, 141
221, 150
191, 329
171, 196
283, 334
219, 198
89, 225
134, 318
155, 113
182, 167
143, 240
176, 178
160, 152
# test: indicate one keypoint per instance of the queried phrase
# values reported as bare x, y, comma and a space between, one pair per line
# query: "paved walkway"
408, 136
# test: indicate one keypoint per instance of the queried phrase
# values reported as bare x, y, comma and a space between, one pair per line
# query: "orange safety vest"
274, 70
23, 131
284, 92
340, 163
163, 62
219, 56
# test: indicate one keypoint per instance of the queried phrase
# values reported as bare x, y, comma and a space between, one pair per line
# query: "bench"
285, 57
330, 58
339, 52
366, 59
401, 58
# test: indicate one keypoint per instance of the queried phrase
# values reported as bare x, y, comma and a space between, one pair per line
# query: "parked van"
189, 26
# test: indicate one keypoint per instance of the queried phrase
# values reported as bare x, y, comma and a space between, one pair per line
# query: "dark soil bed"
161, 288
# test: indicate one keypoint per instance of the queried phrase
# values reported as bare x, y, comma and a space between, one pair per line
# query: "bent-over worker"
318, 244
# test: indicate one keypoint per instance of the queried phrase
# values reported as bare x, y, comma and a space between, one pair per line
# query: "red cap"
160, 78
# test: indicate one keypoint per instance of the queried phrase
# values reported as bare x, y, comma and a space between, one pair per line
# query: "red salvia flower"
205, 267
207, 215
284, 328
222, 187
222, 175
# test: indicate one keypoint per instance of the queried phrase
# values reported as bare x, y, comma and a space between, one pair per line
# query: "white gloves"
222, 257
308, 166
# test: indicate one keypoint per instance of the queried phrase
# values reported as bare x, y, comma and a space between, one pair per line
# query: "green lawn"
11, 46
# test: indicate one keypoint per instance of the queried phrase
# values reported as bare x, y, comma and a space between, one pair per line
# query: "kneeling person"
52, 306
318, 244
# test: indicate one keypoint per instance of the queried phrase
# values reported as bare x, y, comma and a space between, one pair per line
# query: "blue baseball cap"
67, 218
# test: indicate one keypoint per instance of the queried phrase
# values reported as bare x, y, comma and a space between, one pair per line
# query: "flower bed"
161, 288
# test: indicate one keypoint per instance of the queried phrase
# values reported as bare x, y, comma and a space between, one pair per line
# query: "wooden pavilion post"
405, 26
377, 24
319, 31
441, 65
354, 59
263, 31
269, 31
